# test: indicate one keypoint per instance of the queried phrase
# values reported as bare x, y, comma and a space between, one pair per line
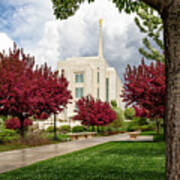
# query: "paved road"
11, 160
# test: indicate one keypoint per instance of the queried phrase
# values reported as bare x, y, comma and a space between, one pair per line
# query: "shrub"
113, 103
129, 113
147, 127
65, 129
138, 123
158, 138
93, 128
50, 129
60, 137
3, 118
111, 129
119, 118
7, 135
133, 127
34, 139
78, 129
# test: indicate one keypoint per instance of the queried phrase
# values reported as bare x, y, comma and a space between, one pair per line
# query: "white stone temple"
88, 76
91, 76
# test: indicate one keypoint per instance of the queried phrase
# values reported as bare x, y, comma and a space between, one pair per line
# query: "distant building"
91, 75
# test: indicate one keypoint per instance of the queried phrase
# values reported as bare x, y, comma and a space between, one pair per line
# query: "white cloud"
5, 42
47, 47
50, 40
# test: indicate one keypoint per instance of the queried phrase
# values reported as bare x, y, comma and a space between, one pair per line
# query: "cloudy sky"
32, 25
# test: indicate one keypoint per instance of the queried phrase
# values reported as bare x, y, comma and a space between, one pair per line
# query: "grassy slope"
110, 161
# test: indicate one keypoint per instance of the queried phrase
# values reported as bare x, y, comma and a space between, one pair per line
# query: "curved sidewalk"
11, 160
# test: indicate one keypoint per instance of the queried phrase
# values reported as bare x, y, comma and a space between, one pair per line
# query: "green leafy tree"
150, 23
119, 117
129, 113
169, 11
113, 103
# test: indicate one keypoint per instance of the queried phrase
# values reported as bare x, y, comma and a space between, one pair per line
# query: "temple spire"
100, 52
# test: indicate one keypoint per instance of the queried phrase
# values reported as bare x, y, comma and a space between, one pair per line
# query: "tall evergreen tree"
149, 22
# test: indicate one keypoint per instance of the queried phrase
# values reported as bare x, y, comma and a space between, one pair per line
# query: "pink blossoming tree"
26, 90
144, 89
93, 112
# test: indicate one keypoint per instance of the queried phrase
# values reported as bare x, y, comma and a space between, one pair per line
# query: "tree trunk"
157, 126
171, 20
22, 127
98, 129
55, 132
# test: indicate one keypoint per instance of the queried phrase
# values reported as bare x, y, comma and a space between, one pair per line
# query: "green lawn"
146, 133
110, 161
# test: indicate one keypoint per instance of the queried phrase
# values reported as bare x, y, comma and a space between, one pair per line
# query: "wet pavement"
11, 160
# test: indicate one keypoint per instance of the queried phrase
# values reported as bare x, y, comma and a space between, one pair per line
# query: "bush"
7, 135
140, 121
78, 129
158, 138
65, 129
133, 127
113, 103
60, 137
129, 113
119, 118
148, 127
117, 123
50, 129
93, 128
34, 139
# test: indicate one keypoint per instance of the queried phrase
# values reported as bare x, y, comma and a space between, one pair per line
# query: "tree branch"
159, 5
156, 4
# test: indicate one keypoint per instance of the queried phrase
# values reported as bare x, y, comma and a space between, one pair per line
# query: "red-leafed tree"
14, 123
144, 89
94, 112
26, 90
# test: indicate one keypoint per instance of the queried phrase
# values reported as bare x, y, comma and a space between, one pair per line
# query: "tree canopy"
94, 112
65, 8
144, 88
26, 90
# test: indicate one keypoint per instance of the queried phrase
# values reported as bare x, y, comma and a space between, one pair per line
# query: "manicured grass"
152, 132
156, 137
146, 133
110, 161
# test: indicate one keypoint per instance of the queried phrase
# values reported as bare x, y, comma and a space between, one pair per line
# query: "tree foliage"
65, 8
94, 112
144, 88
26, 90
129, 113
14, 123
150, 23
114, 103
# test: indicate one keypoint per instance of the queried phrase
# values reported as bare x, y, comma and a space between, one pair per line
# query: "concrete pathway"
11, 160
